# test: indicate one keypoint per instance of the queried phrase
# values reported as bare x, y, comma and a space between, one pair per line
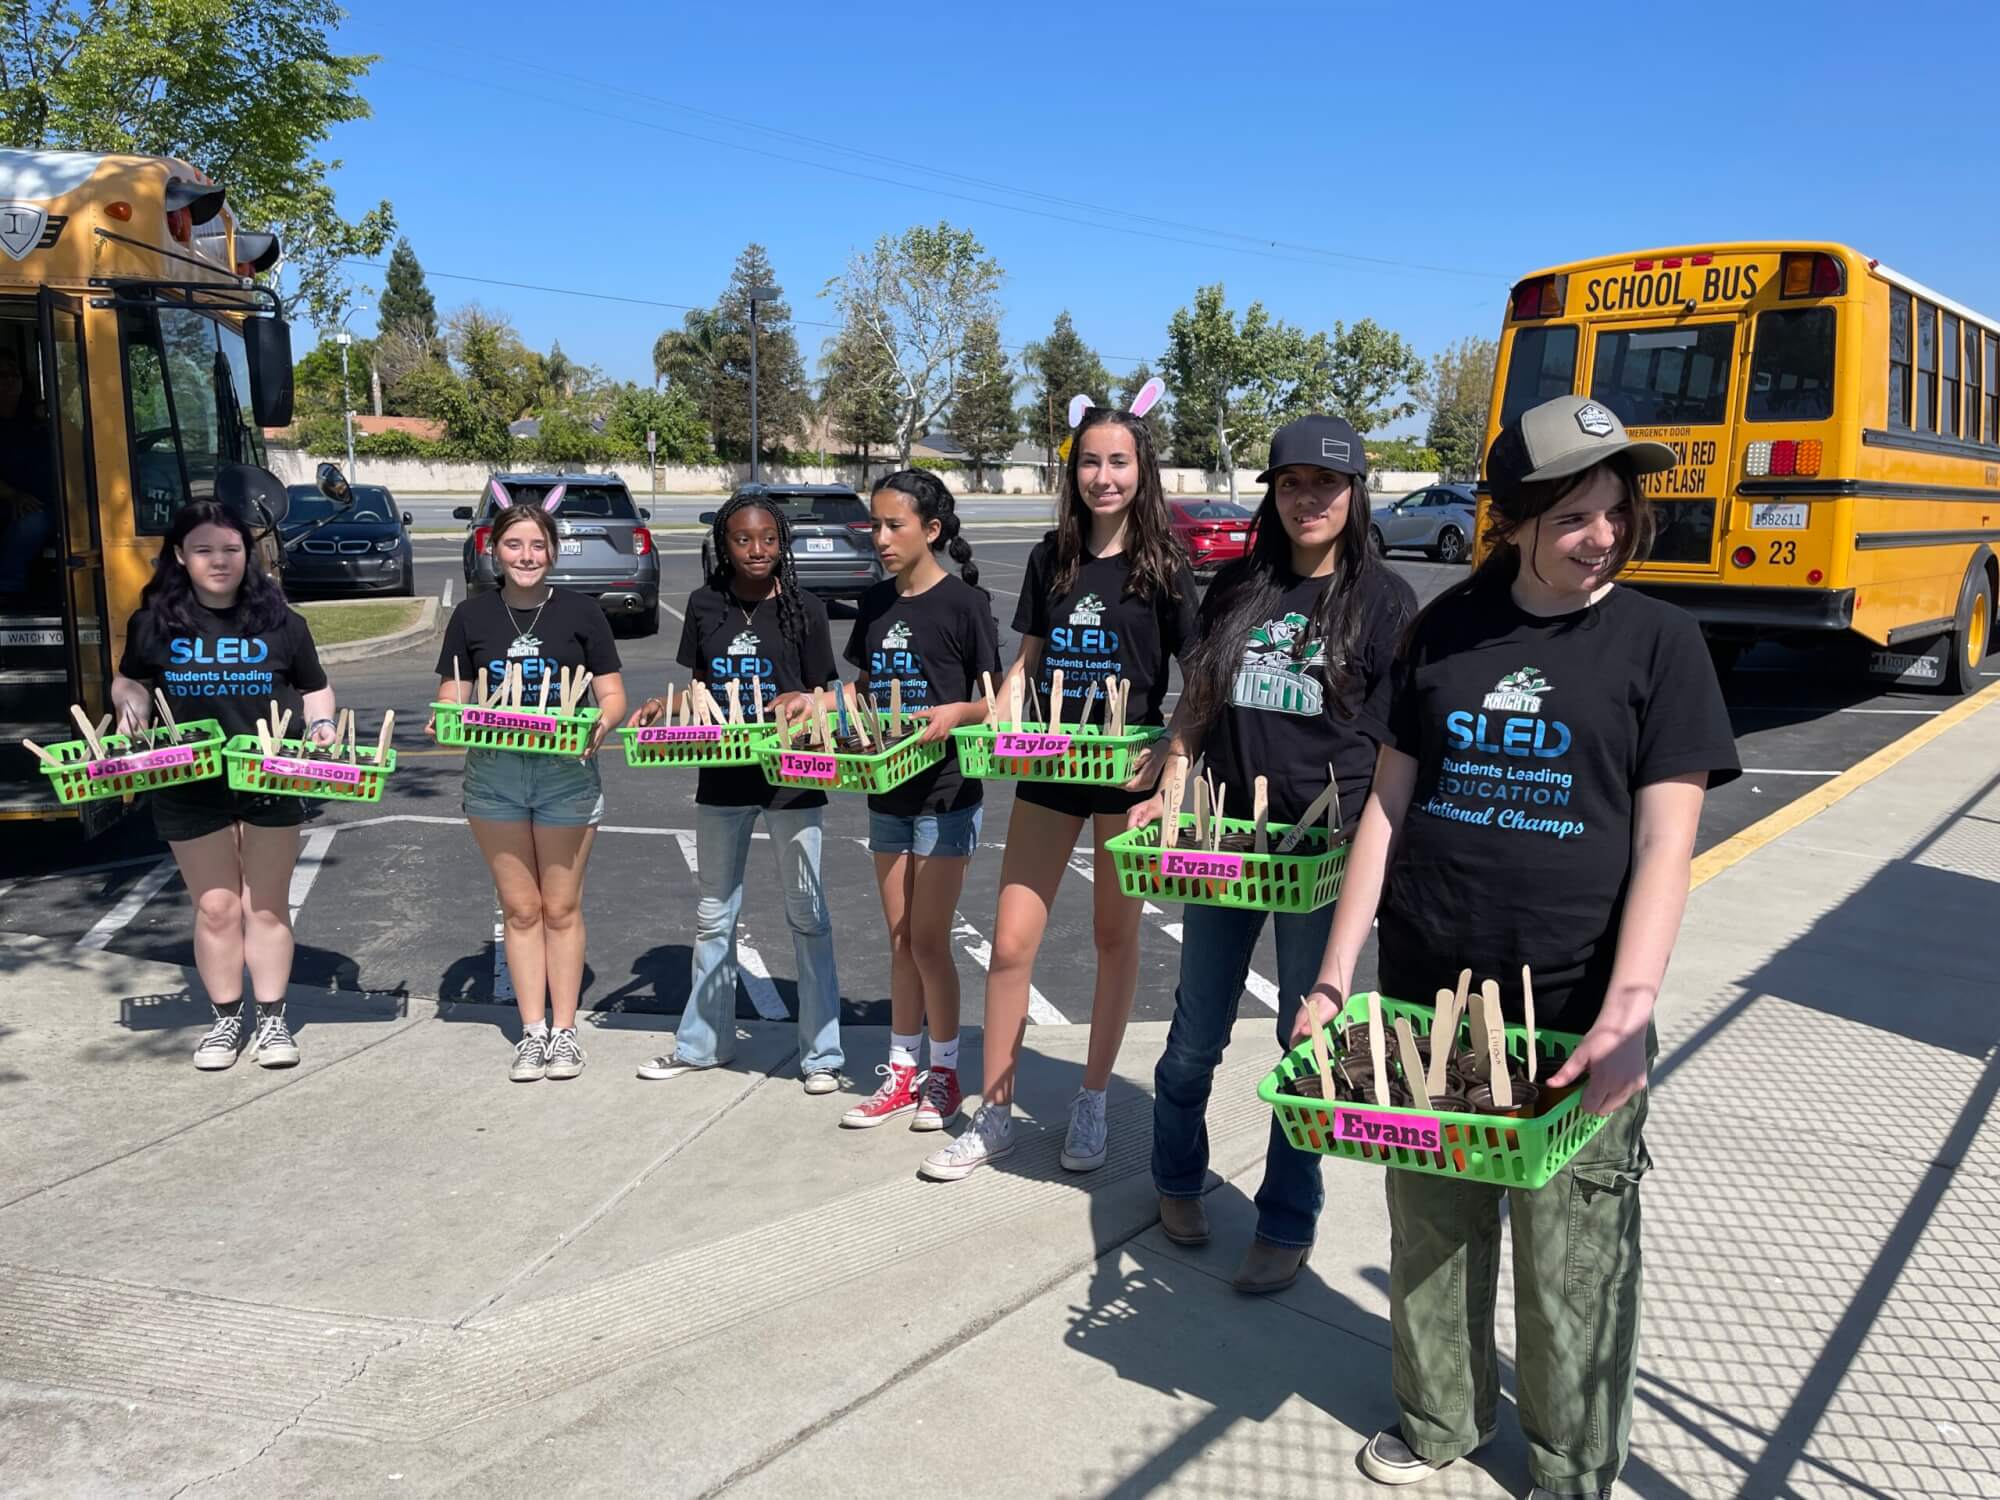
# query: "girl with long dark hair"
1290, 682
933, 632
751, 624
214, 636
1539, 663
1108, 593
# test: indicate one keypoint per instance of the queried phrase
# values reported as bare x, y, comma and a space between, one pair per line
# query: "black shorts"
1078, 799
194, 812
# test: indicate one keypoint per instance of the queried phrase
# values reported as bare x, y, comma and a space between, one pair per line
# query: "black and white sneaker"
273, 1046
218, 1049
565, 1055
531, 1060
1389, 1460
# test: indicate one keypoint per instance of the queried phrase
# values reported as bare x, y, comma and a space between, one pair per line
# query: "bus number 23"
1784, 552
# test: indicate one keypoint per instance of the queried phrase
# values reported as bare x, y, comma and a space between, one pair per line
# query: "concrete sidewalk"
390, 1272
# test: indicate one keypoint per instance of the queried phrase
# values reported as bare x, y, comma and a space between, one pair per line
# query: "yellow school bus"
139, 361
1838, 427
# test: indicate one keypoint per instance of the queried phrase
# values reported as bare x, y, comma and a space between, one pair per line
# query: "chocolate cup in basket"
1424, 1061
1479, 1100
1306, 1086
1316, 1124
1454, 1135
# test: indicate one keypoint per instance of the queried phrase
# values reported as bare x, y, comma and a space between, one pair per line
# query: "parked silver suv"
1437, 521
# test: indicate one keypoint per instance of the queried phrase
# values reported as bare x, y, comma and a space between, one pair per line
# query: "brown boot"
1269, 1268
1184, 1220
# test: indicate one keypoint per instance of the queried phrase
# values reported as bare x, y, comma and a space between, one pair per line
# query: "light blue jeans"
722, 853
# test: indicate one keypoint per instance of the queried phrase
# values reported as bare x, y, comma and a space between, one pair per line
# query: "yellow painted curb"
1712, 863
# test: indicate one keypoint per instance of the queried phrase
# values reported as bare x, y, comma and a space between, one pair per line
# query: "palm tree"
692, 357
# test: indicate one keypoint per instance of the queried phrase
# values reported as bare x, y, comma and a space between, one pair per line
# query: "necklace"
749, 610
519, 633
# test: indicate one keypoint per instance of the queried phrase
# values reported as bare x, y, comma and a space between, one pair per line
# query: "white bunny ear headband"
1148, 397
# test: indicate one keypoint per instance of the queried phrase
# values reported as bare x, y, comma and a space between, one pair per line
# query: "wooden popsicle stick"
1035, 714
89, 731
825, 722
456, 695
858, 719
482, 685
1306, 820
1089, 700
992, 708
1015, 700
1201, 795
1496, 1049
1413, 1072
1326, 1089
1260, 808
278, 731
1055, 701
896, 708
1376, 1058
1124, 703
40, 754
1444, 1036
353, 733
382, 743
1170, 823
1476, 1017
167, 717
735, 701
1332, 807
542, 695
1215, 819
757, 697
1528, 1016
583, 681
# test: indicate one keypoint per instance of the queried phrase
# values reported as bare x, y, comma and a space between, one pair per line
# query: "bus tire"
1972, 626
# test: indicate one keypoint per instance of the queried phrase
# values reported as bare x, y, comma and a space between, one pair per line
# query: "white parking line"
144, 889
1040, 1011
1775, 771
503, 978
306, 871
749, 962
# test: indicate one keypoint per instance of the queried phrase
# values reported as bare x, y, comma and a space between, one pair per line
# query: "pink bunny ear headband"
1148, 397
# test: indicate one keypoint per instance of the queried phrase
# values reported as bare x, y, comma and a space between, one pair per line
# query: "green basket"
135, 763
294, 773
527, 730
1085, 755
1508, 1152
1304, 880
696, 745
814, 770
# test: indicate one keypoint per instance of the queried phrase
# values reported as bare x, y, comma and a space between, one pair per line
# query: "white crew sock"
903, 1049
944, 1054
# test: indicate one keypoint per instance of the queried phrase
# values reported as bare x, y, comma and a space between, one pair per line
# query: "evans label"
1030, 744
486, 718
682, 734
1202, 866
807, 767
1373, 1127
312, 770
151, 760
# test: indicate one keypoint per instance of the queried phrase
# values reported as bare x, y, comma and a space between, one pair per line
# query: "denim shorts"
556, 791
949, 835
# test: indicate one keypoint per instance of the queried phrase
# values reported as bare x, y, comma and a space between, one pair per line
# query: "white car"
1437, 520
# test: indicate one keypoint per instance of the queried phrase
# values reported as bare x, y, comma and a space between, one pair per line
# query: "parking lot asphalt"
394, 898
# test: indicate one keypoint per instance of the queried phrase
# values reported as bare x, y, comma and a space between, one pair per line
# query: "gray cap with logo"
1565, 436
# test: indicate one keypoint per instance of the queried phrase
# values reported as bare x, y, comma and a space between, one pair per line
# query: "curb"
383, 645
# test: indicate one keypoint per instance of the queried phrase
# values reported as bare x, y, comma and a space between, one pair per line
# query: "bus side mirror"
267, 348
253, 494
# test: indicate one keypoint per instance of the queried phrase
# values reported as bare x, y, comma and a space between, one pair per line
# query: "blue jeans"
722, 851
1216, 944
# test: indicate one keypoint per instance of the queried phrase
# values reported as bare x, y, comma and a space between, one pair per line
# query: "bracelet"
317, 722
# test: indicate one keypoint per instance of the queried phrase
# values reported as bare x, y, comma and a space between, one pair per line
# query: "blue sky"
598, 146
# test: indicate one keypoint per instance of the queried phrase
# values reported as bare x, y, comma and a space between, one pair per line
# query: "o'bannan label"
682, 734
151, 760
486, 718
1200, 865
1030, 744
312, 770
808, 767
1370, 1127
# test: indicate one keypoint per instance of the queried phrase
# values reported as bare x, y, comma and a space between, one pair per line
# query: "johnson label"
1030, 744
151, 760
312, 770
1372, 1127
1201, 866
807, 767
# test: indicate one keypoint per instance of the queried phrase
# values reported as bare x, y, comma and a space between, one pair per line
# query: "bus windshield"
187, 389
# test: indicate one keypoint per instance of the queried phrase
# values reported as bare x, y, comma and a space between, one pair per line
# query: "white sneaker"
668, 1065
220, 1047
989, 1137
1089, 1138
821, 1081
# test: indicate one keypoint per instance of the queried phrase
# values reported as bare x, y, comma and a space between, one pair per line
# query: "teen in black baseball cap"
1319, 442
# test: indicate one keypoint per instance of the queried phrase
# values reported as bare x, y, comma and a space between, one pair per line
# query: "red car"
1214, 532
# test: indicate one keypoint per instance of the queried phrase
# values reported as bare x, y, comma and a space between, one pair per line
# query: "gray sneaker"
989, 1137
531, 1060
1089, 1137
1389, 1460
218, 1049
565, 1055
273, 1046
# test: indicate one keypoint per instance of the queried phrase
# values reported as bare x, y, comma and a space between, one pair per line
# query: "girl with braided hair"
751, 624
934, 634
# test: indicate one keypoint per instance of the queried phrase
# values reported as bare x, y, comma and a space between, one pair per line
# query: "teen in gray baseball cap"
1565, 436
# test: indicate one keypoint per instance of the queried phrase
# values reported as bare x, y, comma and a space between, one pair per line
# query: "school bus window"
1992, 388
1973, 404
1948, 386
1899, 358
1665, 376
1791, 375
1926, 413
1543, 365
1683, 531
171, 381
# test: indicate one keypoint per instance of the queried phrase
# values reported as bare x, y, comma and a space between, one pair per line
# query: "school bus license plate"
1776, 516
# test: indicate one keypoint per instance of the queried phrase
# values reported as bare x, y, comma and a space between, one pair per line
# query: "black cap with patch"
1324, 442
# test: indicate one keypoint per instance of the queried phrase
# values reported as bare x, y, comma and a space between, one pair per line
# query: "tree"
1371, 375
1230, 380
916, 296
407, 306
316, 384
1059, 367
858, 392
983, 417
635, 410
499, 370
247, 93
1461, 391
1158, 418
781, 375
473, 427
690, 359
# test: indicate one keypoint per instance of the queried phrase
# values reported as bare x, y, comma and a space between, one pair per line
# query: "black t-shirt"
1282, 721
219, 671
724, 638
1531, 737
1098, 630
568, 631
937, 643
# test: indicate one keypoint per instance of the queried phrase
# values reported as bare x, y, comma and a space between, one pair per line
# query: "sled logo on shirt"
747, 643
897, 637
1089, 610
1276, 661
1518, 692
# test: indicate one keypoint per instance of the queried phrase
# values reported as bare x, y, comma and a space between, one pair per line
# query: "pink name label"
1371, 1127
682, 734
1030, 744
312, 770
151, 760
808, 767
1201, 866
486, 718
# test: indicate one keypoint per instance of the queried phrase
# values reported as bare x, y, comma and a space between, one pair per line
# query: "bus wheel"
1971, 631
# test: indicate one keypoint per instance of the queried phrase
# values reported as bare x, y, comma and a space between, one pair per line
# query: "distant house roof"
419, 427
943, 445
531, 427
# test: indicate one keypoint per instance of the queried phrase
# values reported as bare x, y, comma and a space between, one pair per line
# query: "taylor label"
486, 718
312, 770
807, 767
1371, 1127
1200, 865
682, 734
1030, 744
151, 760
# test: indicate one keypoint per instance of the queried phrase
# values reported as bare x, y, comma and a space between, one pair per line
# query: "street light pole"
344, 338
756, 294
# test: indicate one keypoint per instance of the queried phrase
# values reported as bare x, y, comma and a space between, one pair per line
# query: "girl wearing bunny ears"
1108, 593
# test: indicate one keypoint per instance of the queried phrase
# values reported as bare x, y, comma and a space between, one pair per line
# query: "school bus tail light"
1810, 274
1784, 456
1816, 576
1540, 297
1743, 556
